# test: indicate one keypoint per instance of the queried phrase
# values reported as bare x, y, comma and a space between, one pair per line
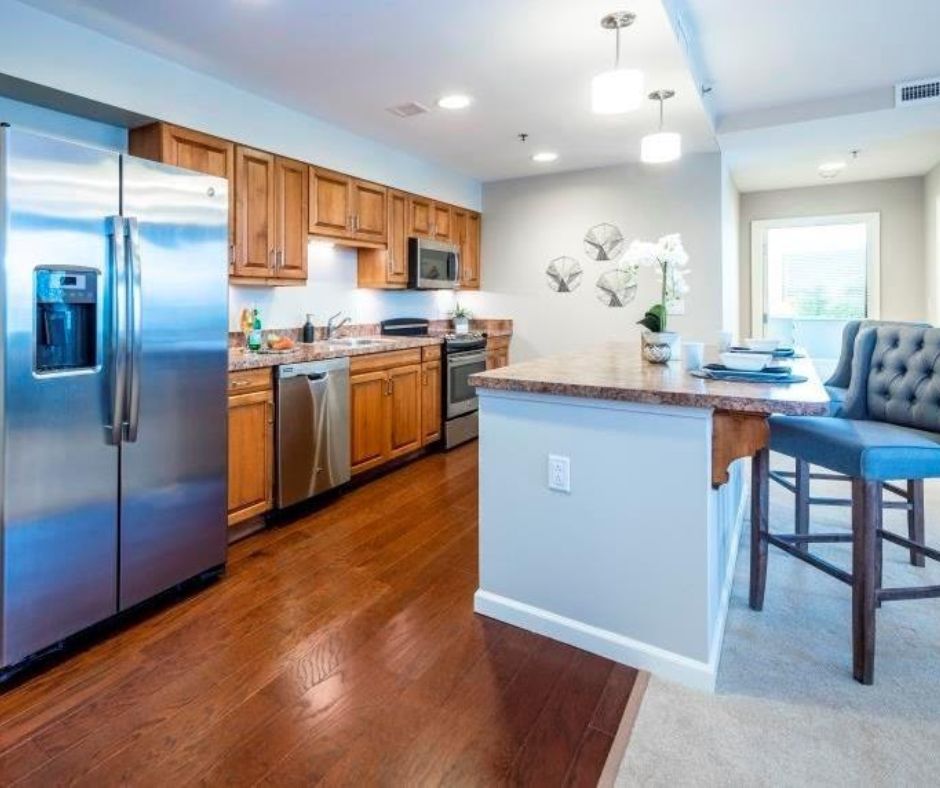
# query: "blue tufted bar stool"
909, 497
890, 429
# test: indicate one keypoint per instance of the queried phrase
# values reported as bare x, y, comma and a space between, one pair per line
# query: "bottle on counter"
309, 333
254, 338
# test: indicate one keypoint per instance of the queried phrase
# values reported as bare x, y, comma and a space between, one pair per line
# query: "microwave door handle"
136, 326
118, 303
456, 277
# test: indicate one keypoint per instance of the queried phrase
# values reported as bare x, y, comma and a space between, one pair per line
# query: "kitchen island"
635, 560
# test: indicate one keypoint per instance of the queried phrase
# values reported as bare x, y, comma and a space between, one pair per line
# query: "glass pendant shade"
617, 91
661, 147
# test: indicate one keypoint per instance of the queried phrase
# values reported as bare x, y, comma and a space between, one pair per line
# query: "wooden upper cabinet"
192, 150
397, 258
470, 253
442, 228
330, 203
291, 194
255, 229
370, 217
388, 267
420, 217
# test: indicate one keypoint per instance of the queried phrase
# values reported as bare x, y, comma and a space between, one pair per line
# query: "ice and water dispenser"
66, 319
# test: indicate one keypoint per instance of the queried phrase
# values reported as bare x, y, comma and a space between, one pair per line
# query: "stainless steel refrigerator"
113, 392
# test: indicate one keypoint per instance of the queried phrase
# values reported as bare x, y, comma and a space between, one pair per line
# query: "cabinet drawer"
375, 361
430, 352
247, 380
497, 343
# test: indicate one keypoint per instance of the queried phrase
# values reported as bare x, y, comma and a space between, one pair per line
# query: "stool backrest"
896, 377
842, 375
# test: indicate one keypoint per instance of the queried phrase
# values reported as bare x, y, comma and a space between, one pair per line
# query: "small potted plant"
461, 317
671, 263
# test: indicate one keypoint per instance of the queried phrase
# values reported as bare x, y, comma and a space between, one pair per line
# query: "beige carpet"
787, 711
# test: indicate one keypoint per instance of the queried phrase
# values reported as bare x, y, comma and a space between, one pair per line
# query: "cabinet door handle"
279, 259
239, 384
270, 407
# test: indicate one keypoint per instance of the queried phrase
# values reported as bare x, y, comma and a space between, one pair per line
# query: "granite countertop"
617, 371
239, 358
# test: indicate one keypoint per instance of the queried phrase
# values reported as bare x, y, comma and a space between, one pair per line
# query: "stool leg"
760, 490
915, 518
866, 521
801, 482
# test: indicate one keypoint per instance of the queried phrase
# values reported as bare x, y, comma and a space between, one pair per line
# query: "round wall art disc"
604, 242
616, 287
564, 274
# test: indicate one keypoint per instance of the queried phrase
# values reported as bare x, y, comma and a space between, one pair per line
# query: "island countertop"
617, 371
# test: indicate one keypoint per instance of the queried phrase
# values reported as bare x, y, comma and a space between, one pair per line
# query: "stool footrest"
809, 558
932, 554
915, 592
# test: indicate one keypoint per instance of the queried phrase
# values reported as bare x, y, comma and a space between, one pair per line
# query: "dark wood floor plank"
610, 708
551, 746
340, 648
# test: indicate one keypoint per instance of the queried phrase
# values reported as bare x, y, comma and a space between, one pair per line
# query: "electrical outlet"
676, 306
559, 473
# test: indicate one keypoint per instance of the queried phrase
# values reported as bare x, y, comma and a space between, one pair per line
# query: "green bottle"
254, 338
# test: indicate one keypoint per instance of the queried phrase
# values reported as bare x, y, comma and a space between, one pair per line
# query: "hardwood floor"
340, 648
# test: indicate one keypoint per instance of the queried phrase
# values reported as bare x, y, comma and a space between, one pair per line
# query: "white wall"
932, 242
900, 201
47, 50
529, 221
730, 253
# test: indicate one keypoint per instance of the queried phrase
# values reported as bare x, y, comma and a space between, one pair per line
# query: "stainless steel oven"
461, 397
432, 265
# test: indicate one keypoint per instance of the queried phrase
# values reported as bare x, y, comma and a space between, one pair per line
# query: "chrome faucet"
332, 328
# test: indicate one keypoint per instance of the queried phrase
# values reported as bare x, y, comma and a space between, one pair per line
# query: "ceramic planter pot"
461, 325
657, 345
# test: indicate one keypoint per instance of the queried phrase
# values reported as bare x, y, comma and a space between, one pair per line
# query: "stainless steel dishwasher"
312, 428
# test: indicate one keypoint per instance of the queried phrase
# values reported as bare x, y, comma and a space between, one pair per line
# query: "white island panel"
635, 562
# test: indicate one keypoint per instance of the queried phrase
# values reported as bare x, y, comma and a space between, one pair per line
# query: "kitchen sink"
360, 341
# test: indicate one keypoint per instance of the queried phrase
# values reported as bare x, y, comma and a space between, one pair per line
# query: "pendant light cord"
661, 101
617, 51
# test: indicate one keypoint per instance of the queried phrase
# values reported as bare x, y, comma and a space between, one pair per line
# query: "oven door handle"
461, 360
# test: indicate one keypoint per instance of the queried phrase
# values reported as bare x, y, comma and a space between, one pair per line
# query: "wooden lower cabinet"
368, 403
431, 404
497, 352
404, 418
250, 445
393, 411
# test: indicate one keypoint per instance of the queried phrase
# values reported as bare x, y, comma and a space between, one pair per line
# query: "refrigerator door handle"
118, 326
135, 323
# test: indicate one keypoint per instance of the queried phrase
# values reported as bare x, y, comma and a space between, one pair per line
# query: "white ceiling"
799, 82
528, 64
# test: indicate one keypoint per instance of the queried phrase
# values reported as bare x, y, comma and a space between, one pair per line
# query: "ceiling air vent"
408, 110
921, 91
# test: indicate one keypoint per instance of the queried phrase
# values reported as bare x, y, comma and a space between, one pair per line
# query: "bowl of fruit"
278, 344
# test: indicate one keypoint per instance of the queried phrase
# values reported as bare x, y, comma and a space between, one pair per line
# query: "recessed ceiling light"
544, 156
454, 101
829, 169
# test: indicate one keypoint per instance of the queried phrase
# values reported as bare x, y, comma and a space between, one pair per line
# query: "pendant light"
662, 146
620, 89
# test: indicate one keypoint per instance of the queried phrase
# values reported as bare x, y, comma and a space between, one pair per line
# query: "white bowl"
761, 345
746, 362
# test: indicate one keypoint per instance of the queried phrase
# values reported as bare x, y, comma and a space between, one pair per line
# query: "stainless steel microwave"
432, 265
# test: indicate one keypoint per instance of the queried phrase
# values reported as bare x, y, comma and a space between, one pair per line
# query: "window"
810, 275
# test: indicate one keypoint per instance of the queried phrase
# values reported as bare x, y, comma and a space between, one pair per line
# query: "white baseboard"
665, 664
619, 648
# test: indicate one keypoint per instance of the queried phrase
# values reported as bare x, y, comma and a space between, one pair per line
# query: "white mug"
693, 355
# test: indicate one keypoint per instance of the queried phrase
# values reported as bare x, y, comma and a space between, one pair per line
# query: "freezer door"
173, 459
59, 462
